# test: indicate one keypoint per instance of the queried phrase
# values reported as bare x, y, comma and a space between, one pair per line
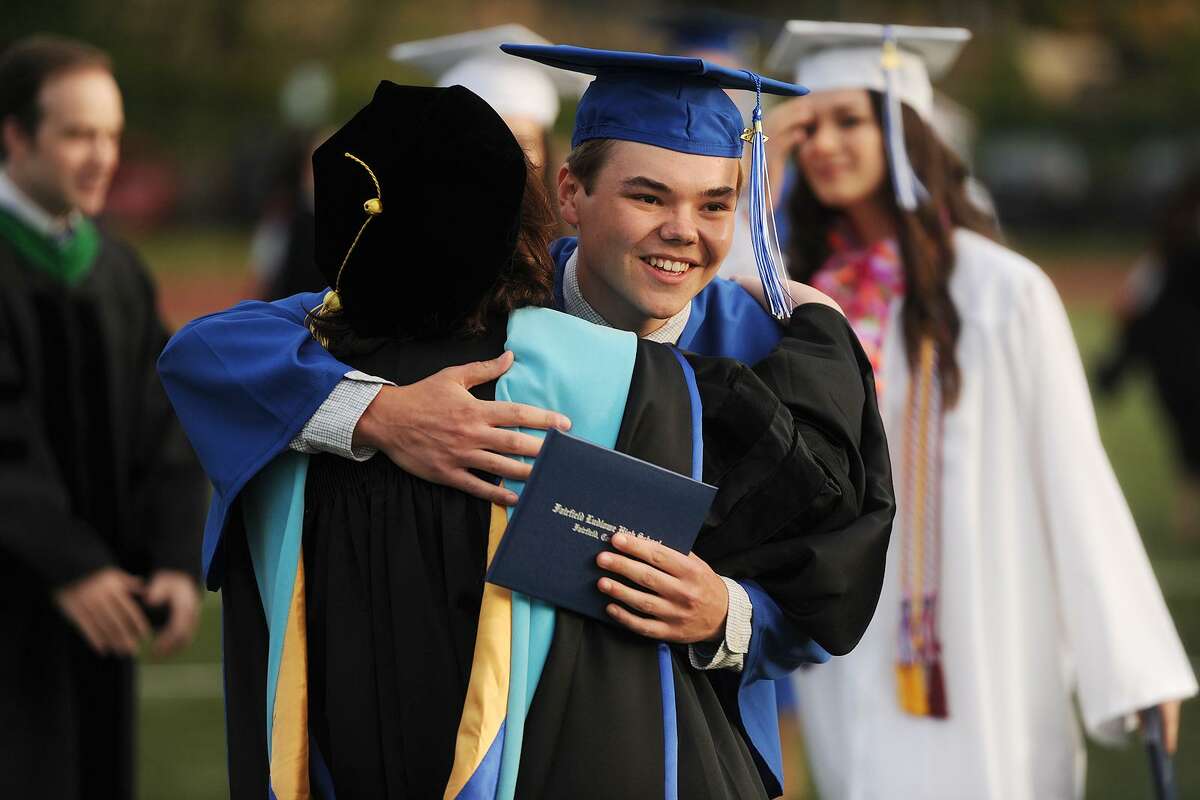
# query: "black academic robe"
394, 571
1164, 336
94, 472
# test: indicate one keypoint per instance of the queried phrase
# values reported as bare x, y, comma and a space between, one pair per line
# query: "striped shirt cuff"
730, 653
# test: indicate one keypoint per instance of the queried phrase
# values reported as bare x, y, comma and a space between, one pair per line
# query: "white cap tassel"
909, 189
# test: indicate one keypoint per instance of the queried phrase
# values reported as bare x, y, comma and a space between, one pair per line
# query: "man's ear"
16, 140
568, 189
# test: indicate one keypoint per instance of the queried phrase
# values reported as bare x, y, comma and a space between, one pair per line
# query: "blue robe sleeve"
243, 383
726, 321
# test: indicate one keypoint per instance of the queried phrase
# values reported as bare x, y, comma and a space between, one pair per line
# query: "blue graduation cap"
679, 103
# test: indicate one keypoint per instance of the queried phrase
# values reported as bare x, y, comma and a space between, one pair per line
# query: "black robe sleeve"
805, 502
37, 527
169, 485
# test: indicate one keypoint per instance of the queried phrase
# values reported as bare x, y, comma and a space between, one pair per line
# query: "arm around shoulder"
244, 381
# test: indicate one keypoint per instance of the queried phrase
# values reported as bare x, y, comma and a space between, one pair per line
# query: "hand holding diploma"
685, 601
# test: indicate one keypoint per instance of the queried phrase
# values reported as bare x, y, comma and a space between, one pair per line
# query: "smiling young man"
654, 225
102, 497
651, 185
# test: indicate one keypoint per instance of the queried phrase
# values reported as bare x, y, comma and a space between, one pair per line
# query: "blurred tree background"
1084, 110
1077, 114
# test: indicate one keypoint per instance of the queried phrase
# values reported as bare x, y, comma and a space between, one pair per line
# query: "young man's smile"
654, 227
669, 269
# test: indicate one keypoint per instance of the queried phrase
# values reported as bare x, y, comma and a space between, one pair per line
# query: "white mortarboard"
899, 61
512, 86
848, 55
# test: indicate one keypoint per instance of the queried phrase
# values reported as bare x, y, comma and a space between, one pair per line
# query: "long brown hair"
526, 280
925, 238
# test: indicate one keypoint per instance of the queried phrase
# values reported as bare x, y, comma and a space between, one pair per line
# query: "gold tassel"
910, 680
332, 302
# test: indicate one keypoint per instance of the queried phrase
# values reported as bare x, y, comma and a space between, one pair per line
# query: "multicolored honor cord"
920, 678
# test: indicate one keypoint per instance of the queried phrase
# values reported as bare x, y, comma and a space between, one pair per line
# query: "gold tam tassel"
332, 302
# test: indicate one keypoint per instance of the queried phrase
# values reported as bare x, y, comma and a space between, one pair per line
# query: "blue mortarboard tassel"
763, 236
909, 188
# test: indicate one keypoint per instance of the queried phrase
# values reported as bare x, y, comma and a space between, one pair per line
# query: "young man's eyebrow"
642, 182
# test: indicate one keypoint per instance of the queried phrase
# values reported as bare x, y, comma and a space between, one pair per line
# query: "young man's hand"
103, 607
180, 594
685, 601
436, 430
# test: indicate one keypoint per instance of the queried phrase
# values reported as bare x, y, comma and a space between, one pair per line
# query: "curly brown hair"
528, 279
925, 238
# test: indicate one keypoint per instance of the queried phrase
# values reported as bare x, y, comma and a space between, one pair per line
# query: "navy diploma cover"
578, 496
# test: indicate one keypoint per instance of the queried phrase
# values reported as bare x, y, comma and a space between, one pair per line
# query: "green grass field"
182, 750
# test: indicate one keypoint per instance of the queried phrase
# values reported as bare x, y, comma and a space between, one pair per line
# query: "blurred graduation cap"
473, 59
383, 176
678, 103
708, 31
900, 61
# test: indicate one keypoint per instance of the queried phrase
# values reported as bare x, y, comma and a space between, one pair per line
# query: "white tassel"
909, 188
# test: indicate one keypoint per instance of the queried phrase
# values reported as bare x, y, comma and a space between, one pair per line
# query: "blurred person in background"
282, 246
526, 96
103, 498
1016, 580
1159, 310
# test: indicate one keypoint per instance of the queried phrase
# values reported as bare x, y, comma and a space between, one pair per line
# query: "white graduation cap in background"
900, 61
512, 86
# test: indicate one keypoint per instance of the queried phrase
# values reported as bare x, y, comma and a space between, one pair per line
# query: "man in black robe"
102, 496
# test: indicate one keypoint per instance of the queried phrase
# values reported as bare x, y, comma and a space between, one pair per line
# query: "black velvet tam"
450, 182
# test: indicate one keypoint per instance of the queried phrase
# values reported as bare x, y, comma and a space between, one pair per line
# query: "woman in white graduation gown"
1016, 578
